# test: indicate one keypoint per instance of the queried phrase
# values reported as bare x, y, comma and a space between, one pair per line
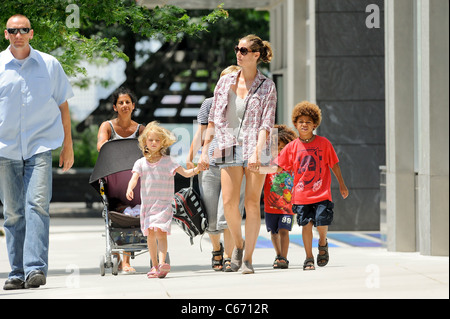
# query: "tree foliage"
59, 26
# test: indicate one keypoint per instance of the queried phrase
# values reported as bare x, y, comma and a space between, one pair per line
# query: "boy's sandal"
282, 263
275, 262
217, 265
322, 259
309, 264
227, 265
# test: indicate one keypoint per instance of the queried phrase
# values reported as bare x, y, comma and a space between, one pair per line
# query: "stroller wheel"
102, 265
115, 265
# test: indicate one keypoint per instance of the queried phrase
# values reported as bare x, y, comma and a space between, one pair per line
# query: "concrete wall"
417, 103
350, 91
384, 96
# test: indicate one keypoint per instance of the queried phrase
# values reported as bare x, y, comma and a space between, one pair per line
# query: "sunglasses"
243, 51
15, 30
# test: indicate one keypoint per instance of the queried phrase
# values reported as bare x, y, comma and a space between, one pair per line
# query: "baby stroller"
110, 178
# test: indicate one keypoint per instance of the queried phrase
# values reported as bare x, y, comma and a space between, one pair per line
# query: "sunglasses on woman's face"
15, 30
243, 50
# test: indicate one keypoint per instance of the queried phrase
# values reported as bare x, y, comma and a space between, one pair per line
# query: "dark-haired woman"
122, 126
124, 102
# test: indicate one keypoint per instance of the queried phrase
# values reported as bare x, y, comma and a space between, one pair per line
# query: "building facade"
379, 71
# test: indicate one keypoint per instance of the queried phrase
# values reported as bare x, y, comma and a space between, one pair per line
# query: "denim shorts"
321, 213
237, 160
274, 222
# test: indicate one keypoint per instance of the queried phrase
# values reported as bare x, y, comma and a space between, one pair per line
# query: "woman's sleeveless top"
115, 136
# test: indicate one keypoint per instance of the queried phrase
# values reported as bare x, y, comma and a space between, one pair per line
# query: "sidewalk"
359, 268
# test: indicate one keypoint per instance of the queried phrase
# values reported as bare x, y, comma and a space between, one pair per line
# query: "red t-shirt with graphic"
278, 193
311, 163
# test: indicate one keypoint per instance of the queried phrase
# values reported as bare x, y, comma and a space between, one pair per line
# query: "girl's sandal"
163, 270
153, 273
217, 265
322, 259
309, 264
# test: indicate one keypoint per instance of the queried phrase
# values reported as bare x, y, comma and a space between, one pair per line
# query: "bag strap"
245, 110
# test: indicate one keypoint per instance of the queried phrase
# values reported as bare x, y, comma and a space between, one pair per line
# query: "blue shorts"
321, 213
274, 222
236, 158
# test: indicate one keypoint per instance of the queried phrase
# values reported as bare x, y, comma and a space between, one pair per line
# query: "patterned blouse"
260, 114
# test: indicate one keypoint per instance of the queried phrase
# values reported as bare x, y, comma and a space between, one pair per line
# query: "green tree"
84, 146
60, 26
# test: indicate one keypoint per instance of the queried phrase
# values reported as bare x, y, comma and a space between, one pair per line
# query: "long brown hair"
258, 45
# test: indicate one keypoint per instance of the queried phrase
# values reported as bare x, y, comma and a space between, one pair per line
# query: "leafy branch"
98, 21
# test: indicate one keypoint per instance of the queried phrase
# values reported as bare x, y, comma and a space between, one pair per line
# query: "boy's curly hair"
285, 134
167, 138
308, 109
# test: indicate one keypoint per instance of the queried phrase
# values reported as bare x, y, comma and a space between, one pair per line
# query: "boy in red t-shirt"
278, 189
311, 157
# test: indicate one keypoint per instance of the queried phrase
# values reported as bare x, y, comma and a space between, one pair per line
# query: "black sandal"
275, 262
227, 265
282, 263
322, 260
309, 264
217, 265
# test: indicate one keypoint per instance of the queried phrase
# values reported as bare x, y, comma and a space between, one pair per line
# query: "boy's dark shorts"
274, 222
321, 213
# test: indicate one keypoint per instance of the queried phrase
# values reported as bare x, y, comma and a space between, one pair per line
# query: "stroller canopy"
115, 156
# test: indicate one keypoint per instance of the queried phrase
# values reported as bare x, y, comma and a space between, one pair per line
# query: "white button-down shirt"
31, 92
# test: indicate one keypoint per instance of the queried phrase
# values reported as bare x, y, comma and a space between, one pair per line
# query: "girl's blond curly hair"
166, 137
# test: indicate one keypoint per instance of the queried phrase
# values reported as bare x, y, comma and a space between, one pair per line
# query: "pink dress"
157, 189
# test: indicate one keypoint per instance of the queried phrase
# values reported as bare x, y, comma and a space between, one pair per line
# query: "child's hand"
344, 191
130, 194
189, 164
254, 162
203, 162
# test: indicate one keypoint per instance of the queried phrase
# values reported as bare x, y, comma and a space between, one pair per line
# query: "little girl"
156, 171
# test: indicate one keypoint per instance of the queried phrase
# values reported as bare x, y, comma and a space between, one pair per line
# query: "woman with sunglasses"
241, 117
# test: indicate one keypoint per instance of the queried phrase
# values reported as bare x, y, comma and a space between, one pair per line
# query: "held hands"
254, 162
190, 164
203, 162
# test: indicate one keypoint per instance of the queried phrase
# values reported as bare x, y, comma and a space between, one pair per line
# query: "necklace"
307, 140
